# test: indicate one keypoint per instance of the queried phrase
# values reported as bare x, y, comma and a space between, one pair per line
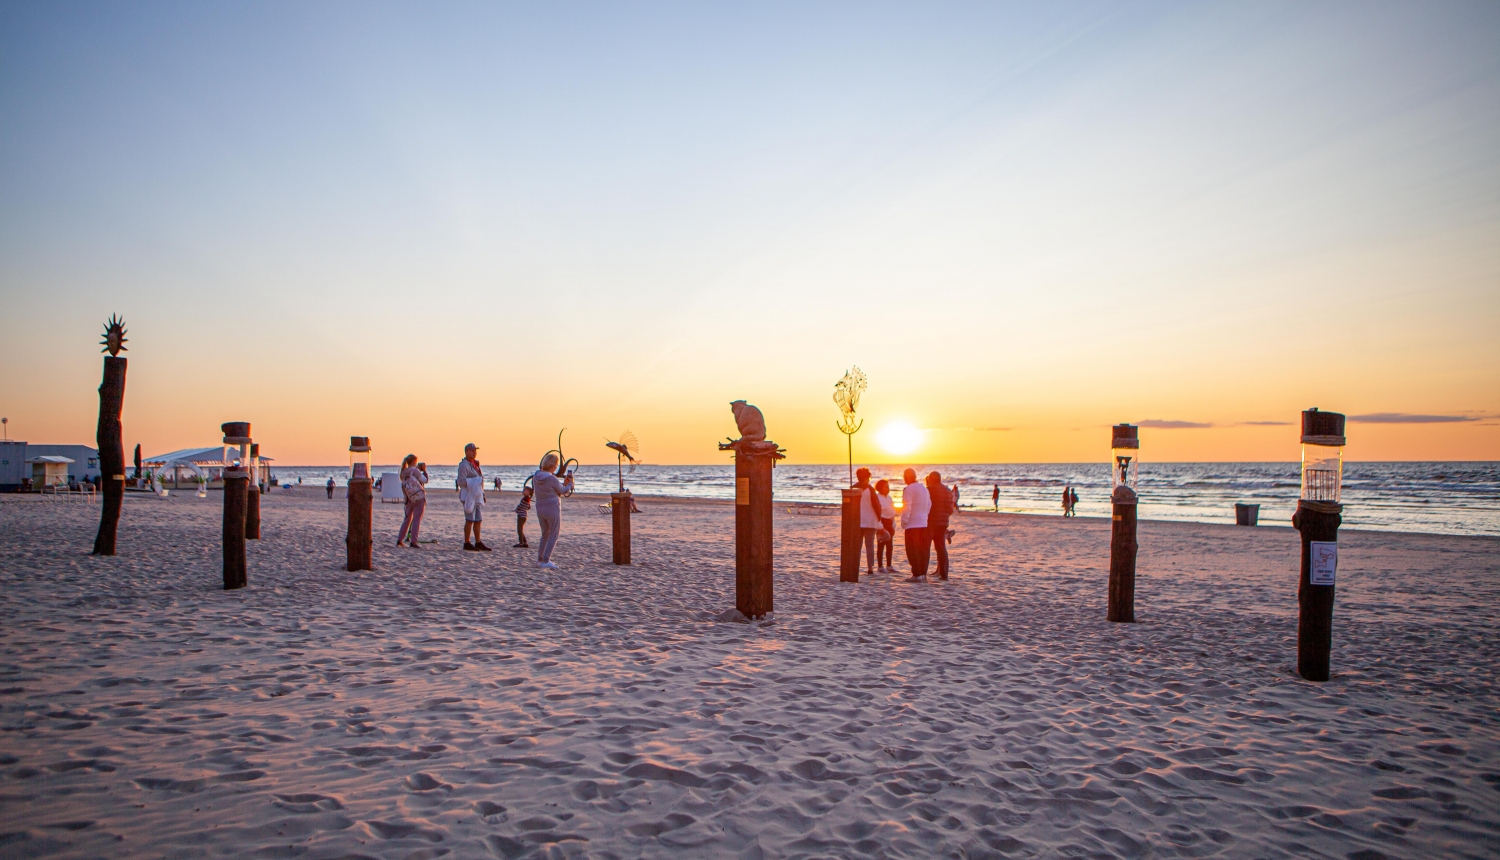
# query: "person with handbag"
414, 490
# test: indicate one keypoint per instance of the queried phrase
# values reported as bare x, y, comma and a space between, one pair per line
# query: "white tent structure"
174, 468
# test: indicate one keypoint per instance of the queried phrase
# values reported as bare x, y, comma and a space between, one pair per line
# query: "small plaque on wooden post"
742, 491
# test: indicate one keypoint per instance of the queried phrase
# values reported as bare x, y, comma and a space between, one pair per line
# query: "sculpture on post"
754, 457
110, 435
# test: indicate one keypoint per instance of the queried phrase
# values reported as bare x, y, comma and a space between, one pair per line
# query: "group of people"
1069, 501
926, 509
544, 490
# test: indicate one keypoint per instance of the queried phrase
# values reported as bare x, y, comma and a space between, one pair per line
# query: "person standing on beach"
915, 503
1067, 501
471, 492
522, 509
937, 520
548, 491
869, 517
995, 498
1072, 502
413, 489
886, 540
330, 486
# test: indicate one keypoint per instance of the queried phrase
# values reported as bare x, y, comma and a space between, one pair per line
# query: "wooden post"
619, 509
849, 535
110, 438
236, 482
360, 540
1315, 602
752, 533
252, 497
1122, 549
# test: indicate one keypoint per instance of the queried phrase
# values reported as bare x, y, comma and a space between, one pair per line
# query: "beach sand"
469, 705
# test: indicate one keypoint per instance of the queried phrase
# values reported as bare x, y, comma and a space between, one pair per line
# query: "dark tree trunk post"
110, 439
1122, 549
752, 533
252, 498
236, 483
849, 536
619, 509
1319, 523
360, 540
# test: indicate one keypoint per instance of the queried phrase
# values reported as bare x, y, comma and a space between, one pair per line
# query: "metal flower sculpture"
114, 336
846, 394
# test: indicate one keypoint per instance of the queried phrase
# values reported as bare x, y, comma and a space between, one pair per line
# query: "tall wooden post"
849, 535
1318, 517
109, 438
752, 531
1122, 544
360, 539
619, 510
236, 483
252, 496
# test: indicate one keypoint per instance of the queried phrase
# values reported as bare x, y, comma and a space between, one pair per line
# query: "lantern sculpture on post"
1125, 470
1319, 514
236, 486
110, 435
361, 496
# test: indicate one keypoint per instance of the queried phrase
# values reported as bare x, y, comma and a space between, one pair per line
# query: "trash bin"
1246, 515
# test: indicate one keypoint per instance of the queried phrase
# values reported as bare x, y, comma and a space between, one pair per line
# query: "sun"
899, 438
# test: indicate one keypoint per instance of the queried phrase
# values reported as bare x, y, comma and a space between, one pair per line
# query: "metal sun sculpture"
114, 336
846, 394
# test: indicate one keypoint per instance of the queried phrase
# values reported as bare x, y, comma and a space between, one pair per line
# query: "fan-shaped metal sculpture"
846, 394
625, 449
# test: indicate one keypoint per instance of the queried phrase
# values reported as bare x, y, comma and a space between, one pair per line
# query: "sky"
439, 223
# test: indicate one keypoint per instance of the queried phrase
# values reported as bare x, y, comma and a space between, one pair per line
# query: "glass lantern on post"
1125, 464
1319, 514
1322, 456
359, 458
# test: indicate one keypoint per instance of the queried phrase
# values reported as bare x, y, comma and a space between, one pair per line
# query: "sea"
1461, 498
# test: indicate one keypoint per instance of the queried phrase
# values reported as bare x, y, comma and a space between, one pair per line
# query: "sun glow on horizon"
899, 438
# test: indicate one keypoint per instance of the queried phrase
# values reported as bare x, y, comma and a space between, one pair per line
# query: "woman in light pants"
547, 492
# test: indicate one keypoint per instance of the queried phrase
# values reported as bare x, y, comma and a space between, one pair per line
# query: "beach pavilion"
183, 468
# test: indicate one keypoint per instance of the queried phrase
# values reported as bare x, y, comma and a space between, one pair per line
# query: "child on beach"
522, 510
886, 540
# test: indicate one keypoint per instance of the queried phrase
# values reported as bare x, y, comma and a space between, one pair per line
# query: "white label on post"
1325, 562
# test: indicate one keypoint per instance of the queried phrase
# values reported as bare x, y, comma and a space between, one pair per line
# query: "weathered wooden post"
110, 436
1319, 514
236, 484
849, 535
619, 510
754, 458
1124, 470
360, 540
252, 495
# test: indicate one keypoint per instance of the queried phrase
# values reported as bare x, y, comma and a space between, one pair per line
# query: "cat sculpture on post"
752, 427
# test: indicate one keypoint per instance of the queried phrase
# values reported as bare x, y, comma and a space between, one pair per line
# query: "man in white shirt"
915, 503
471, 492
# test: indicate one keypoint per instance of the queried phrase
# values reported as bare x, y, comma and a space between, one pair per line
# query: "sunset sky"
440, 223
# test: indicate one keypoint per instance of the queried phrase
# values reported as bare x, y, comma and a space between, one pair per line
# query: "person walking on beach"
937, 520
914, 505
886, 540
548, 491
869, 517
413, 489
471, 492
330, 486
1067, 501
1072, 502
522, 509
995, 498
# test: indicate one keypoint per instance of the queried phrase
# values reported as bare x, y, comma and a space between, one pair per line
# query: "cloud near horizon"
1404, 418
1160, 424
1265, 424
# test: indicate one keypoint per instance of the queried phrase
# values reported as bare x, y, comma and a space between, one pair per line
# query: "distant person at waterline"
330, 486
995, 498
471, 492
937, 521
414, 491
1067, 503
915, 503
869, 516
886, 540
548, 492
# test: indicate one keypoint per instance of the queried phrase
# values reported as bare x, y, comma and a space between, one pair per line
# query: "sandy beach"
461, 704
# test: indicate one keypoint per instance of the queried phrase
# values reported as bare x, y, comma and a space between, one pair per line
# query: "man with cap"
471, 493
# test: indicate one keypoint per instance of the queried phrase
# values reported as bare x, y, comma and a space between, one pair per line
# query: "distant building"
181, 468
15, 465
